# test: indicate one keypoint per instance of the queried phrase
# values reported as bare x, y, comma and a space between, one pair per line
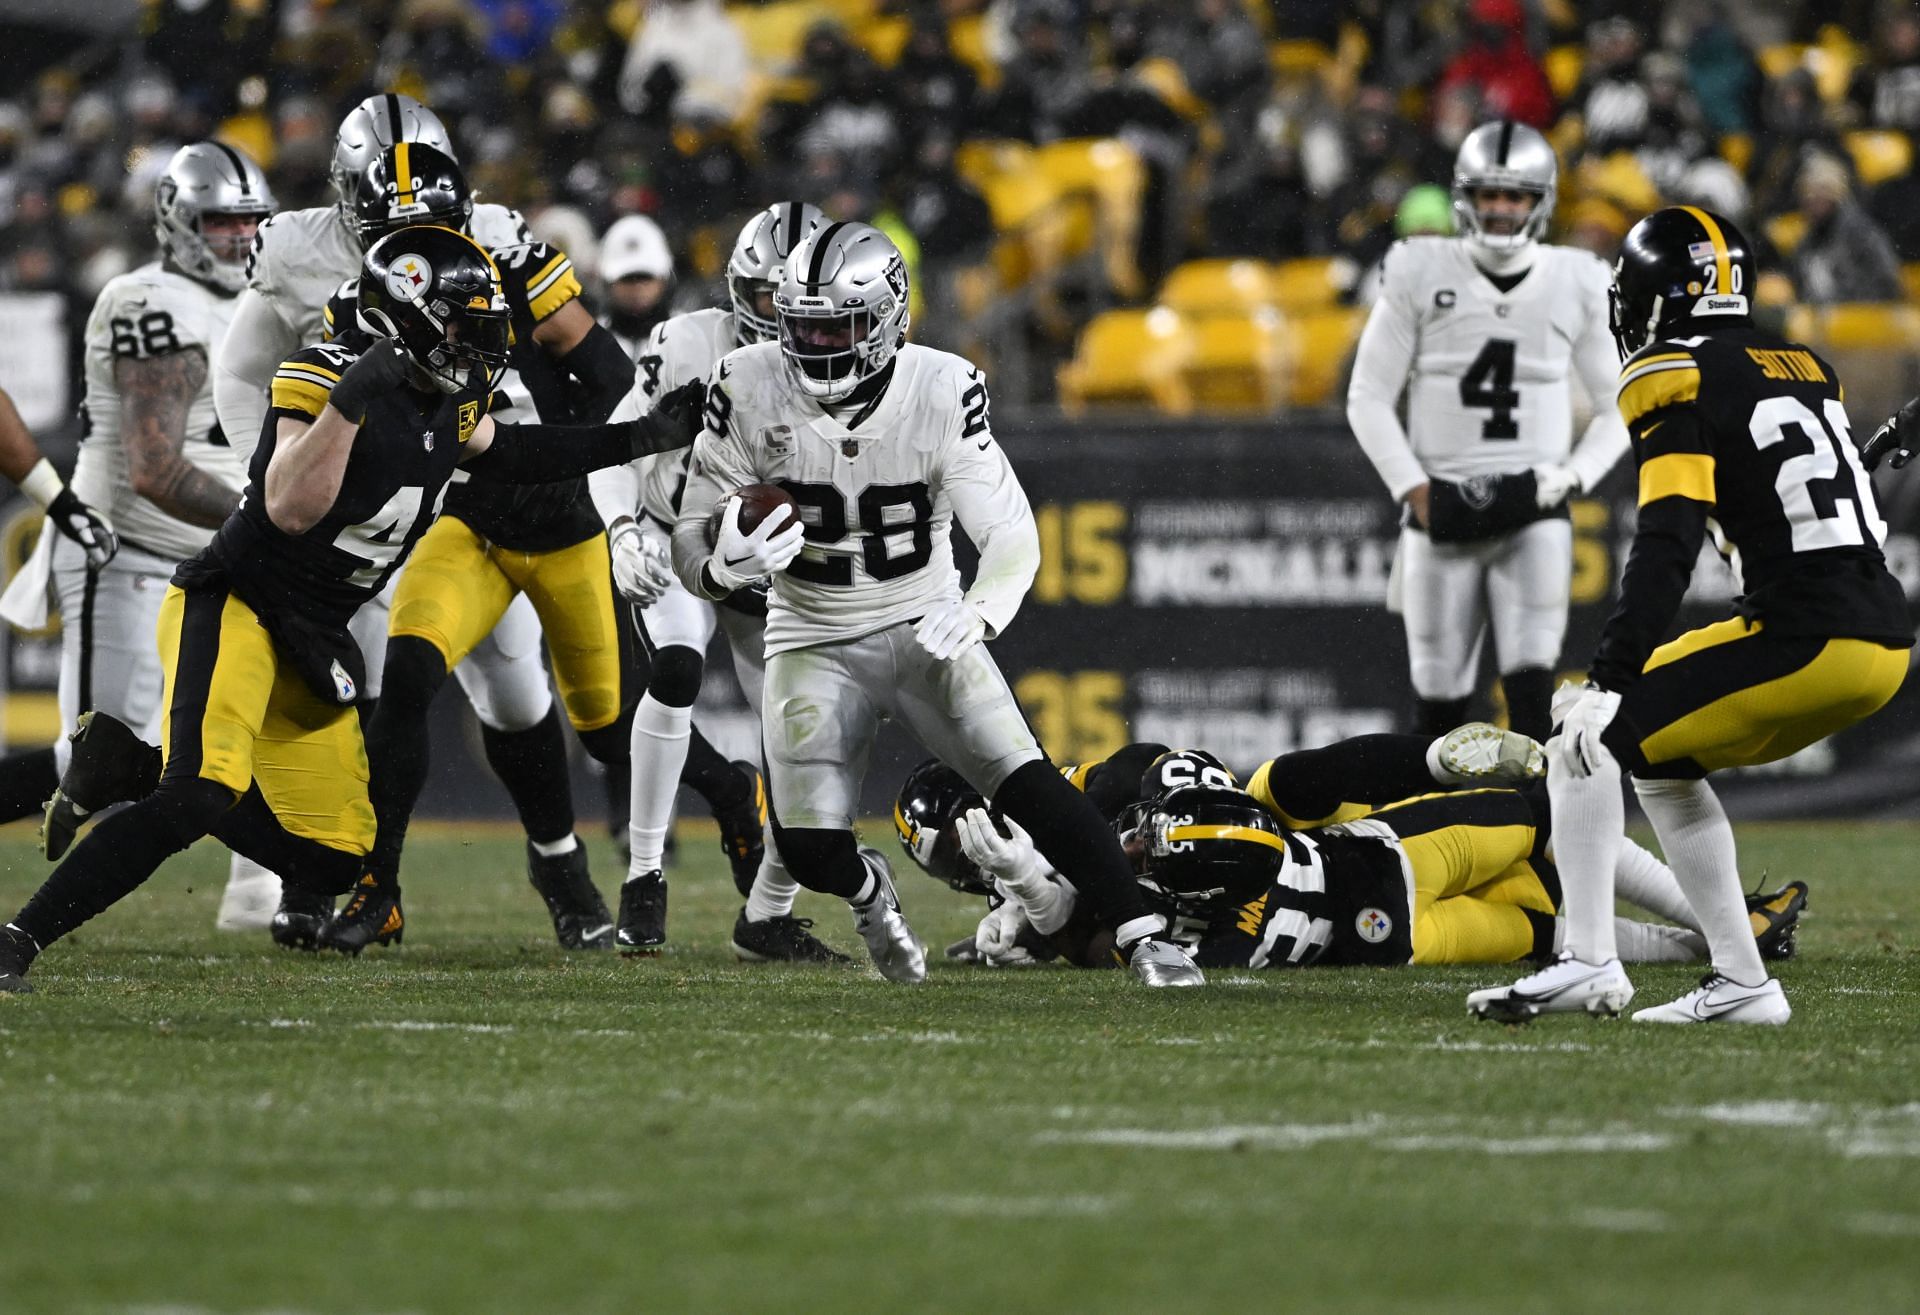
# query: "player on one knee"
1483, 333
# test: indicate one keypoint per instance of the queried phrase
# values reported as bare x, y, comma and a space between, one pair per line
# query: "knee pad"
676, 676
820, 859
414, 674
183, 810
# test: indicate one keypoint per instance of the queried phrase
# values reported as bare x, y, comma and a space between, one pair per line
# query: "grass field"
477, 1122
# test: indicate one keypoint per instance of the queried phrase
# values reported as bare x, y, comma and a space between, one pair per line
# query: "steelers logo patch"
409, 278
1373, 926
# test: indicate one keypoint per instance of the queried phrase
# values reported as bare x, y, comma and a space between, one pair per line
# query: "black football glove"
379, 370
1896, 437
673, 423
84, 526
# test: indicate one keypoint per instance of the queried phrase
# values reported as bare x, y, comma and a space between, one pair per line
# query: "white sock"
1698, 841
659, 750
1650, 942
868, 892
554, 848
773, 886
242, 870
1647, 883
1589, 822
1136, 928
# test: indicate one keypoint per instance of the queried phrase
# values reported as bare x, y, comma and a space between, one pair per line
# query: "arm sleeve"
546, 454
603, 371
257, 341
1380, 367
1596, 358
992, 508
720, 465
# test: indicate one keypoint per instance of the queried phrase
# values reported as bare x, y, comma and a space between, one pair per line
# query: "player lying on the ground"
1438, 878
263, 746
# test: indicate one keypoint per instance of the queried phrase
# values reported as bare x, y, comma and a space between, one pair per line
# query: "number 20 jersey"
1489, 390
877, 499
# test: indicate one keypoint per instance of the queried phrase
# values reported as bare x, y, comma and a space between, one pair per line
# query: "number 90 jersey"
1488, 391
878, 490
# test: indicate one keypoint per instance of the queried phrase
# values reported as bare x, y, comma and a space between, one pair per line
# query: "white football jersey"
680, 350
1488, 388
147, 312
878, 499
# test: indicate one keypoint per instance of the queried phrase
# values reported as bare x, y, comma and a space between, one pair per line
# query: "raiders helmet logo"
1477, 492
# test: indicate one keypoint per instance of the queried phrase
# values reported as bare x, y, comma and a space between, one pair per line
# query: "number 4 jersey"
879, 489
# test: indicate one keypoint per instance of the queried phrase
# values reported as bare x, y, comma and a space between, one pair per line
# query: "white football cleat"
1480, 753
1722, 1000
251, 898
1158, 962
1565, 986
896, 952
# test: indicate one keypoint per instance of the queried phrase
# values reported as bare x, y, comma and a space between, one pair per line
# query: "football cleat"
1480, 753
643, 915
896, 952
1722, 1000
1565, 986
743, 830
17, 953
1158, 962
300, 919
371, 917
780, 940
1775, 916
580, 917
110, 765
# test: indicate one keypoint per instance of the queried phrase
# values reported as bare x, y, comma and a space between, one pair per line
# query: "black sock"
1311, 784
397, 751
120, 853
1529, 701
532, 764
617, 780
27, 781
712, 777
1069, 831
1433, 717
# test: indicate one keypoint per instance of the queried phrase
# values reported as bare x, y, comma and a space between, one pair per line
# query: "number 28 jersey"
879, 491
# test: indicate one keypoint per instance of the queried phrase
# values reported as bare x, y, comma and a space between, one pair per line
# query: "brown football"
757, 502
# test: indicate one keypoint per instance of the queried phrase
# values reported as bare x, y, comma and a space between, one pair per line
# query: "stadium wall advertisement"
1225, 586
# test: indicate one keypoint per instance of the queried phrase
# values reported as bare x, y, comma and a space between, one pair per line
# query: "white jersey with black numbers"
680, 350
879, 491
144, 314
1488, 382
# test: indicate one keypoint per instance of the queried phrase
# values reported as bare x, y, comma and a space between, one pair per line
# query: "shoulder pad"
306, 378
1660, 374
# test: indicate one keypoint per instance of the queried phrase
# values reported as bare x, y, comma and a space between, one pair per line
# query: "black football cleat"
781, 940
110, 765
743, 830
371, 917
17, 953
1775, 916
643, 915
580, 917
300, 919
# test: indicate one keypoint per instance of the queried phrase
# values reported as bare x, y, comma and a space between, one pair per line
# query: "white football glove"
1584, 712
1553, 485
1017, 868
740, 558
641, 571
996, 934
949, 629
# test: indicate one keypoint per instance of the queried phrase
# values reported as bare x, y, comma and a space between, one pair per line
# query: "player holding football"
263, 746
884, 445
1742, 432
1483, 332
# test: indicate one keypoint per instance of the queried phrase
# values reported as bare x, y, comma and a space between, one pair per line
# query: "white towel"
25, 602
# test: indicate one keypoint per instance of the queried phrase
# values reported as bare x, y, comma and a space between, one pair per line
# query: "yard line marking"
1376, 1131
1018, 1207
1879, 1224
1623, 1221
1758, 1113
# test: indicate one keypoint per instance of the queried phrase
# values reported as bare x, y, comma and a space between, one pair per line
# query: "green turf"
479, 1123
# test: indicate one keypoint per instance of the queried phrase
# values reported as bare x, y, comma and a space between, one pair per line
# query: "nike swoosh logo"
595, 933
735, 561
1648, 431
983, 445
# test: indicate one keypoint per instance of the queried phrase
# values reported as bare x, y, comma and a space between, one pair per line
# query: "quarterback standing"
1483, 332
883, 446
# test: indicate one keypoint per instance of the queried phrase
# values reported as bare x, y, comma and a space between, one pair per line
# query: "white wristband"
43, 483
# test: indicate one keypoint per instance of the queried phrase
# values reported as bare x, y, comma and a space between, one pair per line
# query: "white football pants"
1453, 593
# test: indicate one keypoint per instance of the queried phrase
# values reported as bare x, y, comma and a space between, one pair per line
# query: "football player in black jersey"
262, 744
1742, 432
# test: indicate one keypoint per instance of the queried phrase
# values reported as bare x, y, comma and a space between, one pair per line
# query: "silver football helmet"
372, 126
758, 261
842, 307
1505, 155
209, 180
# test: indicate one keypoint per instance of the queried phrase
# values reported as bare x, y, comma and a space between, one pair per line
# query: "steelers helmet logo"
409, 278
1373, 926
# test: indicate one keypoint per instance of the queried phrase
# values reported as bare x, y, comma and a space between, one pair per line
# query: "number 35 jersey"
879, 490
1488, 385
148, 314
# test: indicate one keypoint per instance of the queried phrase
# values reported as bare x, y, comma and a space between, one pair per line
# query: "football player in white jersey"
883, 445
1483, 332
298, 261
675, 625
154, 460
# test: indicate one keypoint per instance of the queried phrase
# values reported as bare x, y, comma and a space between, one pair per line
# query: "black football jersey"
402, 459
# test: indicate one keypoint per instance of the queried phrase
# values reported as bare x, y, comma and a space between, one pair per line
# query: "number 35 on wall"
1083, 553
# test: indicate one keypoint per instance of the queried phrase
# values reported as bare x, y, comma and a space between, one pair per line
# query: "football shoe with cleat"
743, 830
300, 919
1565, 986
781, 940
580, 917
1722, 1000
17, 953
371, 917
1775, 916
1158, 962
643, 915
1480, 753
110, 765
896, 952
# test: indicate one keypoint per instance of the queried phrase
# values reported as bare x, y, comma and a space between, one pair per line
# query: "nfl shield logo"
849, 448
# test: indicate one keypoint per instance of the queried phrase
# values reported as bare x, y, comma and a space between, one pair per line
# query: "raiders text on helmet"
202, 181
759, 261
842, 307
932, 799
1679, 263
407, 185
376, 123
437, 294
1509, 156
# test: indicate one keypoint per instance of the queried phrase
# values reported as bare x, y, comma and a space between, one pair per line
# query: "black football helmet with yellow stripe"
1677, 264
931, 800
1207, 847
410, 184
437, 294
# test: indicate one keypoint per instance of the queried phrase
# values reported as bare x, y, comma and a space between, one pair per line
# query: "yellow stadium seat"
1564, 66
773, 32
1237, 362
1208, 287
1299, 285
1129, 356
1298, 59
1736, 148
1785, 231
967, 35
1880, 155
883, 38
982, 158
1318, 345
1910, 276
1778, 61
1163, 78
1110, 175
1886, 326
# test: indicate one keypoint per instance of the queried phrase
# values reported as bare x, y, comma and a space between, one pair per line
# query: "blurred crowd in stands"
1275, 130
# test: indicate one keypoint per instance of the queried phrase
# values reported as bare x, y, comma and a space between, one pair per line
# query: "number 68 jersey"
879, 488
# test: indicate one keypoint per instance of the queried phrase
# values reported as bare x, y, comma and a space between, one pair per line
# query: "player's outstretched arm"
158, 393
543, 454
22, 462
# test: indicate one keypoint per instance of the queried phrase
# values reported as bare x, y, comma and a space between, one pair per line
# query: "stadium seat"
967, 35
1129, 356
1785, 231
883, 38
1564, 64
1109, 174
1854, 326
1736, 148
1779, 60
1318, 343
1879, 155
1208, 287
1236, 362
1304, 284
773, 32
1298, 59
